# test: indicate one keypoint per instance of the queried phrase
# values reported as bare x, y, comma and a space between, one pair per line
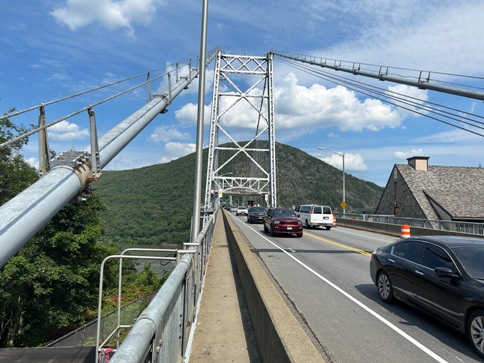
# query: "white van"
313, 215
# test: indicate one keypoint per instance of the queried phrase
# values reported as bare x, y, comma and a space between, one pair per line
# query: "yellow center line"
357, 250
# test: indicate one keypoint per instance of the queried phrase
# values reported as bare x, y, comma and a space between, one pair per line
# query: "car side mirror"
444, 272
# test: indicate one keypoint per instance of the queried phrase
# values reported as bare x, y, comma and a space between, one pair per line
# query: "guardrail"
160, 333
85, 336
452, 226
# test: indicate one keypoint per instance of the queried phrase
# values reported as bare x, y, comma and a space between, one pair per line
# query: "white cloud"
318, 106
452, 136
303, 108
412, 98
65, 130
353, 162
33, 162
167, 133
409, 154
111, 14
430, 35
175, 150
59, 77
187, 115
183, 71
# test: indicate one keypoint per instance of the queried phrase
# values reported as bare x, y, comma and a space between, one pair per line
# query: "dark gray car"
440, 275
256, 215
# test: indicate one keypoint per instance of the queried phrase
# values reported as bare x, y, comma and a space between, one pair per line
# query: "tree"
53, 281
135, 286
15, 173
52, 284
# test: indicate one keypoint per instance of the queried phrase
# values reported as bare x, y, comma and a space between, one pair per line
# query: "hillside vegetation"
153, 205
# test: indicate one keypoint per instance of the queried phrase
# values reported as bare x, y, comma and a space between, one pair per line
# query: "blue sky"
54, 48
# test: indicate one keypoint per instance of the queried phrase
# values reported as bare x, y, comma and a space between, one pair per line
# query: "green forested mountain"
154, 204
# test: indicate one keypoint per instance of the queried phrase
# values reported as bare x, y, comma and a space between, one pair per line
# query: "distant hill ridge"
153, 204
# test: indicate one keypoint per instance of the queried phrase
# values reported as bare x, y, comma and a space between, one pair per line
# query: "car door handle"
418, 272
392, 261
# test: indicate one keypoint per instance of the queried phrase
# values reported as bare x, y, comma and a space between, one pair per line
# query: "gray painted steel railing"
161, 332
455, 226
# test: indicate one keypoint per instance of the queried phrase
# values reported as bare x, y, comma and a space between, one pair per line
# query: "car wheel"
385, 288
328, 228
475, 331
265, 228
273, 234
299, 235
306, 224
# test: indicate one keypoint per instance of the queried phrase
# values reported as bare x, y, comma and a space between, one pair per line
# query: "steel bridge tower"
244, 165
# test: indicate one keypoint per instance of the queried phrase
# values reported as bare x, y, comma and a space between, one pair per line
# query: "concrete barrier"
280, 337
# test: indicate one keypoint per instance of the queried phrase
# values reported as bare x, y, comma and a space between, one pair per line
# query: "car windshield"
257, 209
472, 258
284, 213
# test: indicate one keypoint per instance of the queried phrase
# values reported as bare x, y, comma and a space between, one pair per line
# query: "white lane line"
359, 303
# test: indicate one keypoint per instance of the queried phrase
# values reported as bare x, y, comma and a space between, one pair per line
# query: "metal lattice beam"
242, 83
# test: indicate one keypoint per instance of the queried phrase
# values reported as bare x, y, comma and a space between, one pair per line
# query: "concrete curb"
280, 337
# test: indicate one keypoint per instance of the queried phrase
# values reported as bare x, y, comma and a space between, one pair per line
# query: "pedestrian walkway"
223, 330
48, 355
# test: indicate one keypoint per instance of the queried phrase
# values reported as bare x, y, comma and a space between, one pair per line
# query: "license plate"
289, 228
325, 217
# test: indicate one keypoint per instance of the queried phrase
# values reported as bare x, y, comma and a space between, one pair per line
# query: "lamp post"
343, 204
200, 111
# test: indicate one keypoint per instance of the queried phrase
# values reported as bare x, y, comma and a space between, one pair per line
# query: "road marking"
393, 238
346, 247
357, 302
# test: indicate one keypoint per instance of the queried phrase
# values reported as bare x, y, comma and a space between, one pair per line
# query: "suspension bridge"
239, 81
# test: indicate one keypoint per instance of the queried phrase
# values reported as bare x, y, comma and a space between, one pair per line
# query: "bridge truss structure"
242, 108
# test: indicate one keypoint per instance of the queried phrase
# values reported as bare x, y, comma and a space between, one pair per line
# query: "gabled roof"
458, 190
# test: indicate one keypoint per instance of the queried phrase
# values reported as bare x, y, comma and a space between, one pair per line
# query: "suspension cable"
31, 108
370, 91
63, 118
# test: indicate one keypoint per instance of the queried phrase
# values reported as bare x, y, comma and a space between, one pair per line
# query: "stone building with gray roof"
420, 190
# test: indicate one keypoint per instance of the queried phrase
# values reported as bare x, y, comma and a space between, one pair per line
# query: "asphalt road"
325, 275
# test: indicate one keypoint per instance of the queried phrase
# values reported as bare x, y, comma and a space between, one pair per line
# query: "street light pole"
201, 103
343, 205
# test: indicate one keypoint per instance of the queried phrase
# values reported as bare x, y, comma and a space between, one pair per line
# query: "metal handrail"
161, 331
455, 226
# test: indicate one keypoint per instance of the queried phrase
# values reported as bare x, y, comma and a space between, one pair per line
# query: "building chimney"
419, 162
